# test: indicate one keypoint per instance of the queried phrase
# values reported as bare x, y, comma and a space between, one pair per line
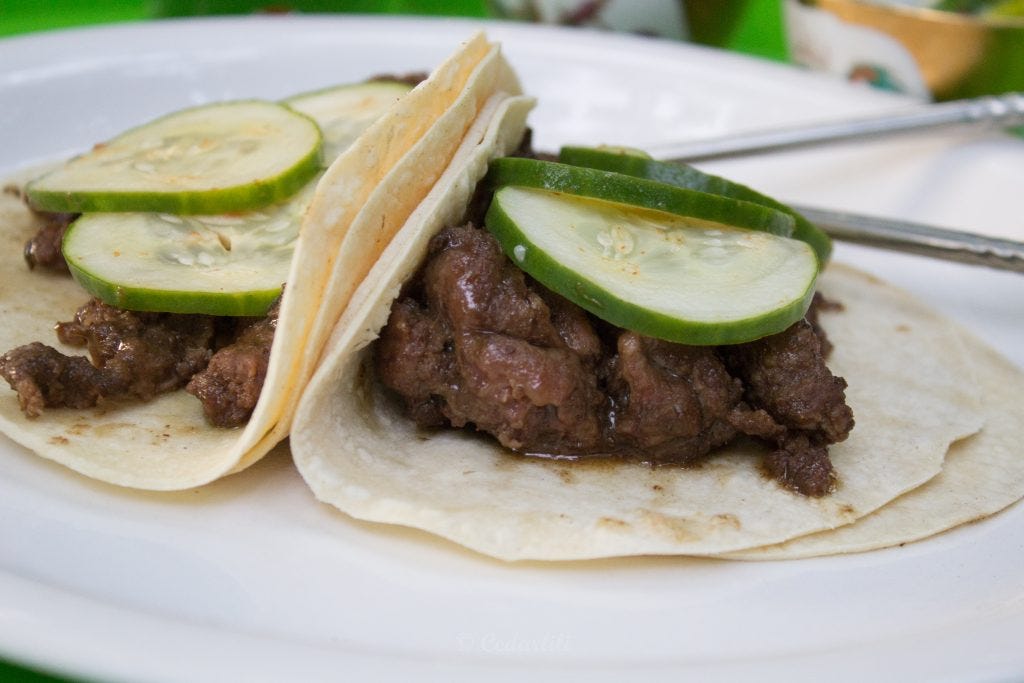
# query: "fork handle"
918, 238
989, 111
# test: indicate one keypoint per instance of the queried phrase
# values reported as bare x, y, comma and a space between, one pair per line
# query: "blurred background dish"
749, 26
919, 47
915, 49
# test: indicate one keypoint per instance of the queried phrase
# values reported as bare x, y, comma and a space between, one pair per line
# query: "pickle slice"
678, 278
218, 158
648, 194
640, 165
231, 264
345, 111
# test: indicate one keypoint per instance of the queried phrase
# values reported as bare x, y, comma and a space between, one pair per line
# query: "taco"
914, 387
148, 432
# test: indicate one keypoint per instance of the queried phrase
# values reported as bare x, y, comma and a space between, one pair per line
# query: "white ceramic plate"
251, 579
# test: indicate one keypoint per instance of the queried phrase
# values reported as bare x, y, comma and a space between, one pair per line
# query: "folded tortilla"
361, 200
911, 388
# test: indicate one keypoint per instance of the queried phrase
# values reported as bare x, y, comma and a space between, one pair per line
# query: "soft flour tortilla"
906, 367
982, 474
365, 195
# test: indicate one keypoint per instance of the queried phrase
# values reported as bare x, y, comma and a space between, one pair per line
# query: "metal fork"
917, 238
988, 112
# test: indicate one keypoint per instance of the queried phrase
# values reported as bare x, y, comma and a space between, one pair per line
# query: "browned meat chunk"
471, 284
801, 466
46, 378
482, 348
147, 353
574, 328
786, 375
44, 248
531, 398
229, 387
672, 402
414, 357
134, 355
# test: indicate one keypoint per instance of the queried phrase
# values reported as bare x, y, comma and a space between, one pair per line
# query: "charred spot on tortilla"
613, 523
472, 342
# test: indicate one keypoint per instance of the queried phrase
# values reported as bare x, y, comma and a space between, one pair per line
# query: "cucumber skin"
590, 296
627, 189
249, 304
254, 195
683, 175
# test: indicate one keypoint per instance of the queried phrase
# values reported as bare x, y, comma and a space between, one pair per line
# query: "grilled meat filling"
137, 356
474, 342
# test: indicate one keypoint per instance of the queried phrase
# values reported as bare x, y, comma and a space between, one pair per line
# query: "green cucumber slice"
649, 194
621, 160
343, 112
666, 276
233, 264
219, 158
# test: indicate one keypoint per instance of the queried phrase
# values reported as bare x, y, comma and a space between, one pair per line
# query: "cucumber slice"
231, 156
649, 194
233, 264
345, 111
639, 165
662, 275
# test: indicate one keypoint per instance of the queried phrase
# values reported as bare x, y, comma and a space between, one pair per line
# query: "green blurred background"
749, 26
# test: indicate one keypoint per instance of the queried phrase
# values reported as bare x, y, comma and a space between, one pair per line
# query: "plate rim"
21, 616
